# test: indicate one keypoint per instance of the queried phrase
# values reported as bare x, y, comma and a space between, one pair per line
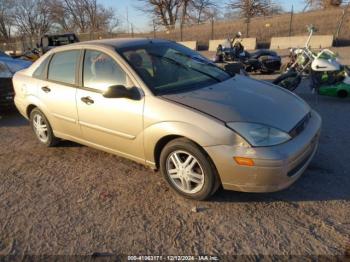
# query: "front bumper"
276, 167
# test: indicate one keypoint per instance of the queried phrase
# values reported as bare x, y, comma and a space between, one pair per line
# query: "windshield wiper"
186, 67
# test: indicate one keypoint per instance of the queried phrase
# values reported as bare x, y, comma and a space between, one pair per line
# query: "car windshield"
170, 67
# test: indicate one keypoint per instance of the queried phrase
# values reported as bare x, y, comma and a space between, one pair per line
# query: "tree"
31, 17
60, 16
251, 8
324, 4
6, 20
165, 12
168, 13
82, 15
275, 9
202, 10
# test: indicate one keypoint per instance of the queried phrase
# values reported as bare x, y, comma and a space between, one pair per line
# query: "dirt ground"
77, 200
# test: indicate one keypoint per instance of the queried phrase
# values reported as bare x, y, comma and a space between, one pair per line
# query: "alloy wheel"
40, 128
185, 172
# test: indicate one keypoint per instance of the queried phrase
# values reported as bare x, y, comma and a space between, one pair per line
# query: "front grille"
300, 126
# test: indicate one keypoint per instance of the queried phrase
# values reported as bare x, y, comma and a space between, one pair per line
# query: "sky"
141, 22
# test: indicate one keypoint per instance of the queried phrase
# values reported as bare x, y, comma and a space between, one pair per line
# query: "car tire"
195, 179
342, 94
42, 128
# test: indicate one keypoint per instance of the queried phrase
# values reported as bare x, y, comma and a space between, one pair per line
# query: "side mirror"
120, 91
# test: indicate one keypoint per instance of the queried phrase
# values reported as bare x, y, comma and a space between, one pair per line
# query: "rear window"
40, 72
63, 67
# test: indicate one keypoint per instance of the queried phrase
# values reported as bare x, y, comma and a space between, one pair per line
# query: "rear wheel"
289, 80
188, 170
42, 128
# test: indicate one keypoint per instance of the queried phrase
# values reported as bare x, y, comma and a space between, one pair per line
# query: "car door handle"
87, 100
46, 89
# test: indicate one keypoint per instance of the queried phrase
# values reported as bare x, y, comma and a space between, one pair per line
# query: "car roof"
122, 42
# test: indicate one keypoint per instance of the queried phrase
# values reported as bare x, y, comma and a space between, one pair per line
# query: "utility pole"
154, 28
291, 20
127, 20
247, 20
181, 28
212, 27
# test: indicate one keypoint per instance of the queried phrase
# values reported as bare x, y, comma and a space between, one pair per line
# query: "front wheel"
188, 170
289, 80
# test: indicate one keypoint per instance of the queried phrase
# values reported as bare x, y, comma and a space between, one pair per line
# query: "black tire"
289, 81
51, 139
211, 180
342, 93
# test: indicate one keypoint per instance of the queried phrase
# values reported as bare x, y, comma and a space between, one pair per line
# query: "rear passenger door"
57, 90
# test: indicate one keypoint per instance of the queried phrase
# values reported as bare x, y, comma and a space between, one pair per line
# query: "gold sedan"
166, 106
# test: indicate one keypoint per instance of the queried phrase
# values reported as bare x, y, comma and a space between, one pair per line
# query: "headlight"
258, 134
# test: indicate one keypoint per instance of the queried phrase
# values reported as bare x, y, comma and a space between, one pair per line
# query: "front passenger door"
113, 124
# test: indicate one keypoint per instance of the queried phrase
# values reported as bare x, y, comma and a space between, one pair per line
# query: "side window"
101, 71
40, 71
63, 65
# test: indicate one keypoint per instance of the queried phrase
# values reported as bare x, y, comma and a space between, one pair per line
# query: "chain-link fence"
331, 22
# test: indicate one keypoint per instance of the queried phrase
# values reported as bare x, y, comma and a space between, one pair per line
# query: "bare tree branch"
32, 17
166, 12
6, 20
315, 4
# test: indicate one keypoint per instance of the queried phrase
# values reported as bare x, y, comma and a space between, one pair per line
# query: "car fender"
154, 133
32, 100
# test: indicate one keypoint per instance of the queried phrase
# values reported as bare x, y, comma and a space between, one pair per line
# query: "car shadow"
320, 182
67, 144
296, 193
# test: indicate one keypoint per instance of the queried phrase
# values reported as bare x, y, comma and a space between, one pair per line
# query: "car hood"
15, 64
242, 99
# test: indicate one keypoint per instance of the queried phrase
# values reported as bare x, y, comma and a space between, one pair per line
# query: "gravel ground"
76, 200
